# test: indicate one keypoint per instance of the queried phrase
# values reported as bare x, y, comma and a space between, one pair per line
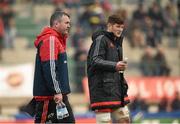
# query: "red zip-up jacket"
51, 71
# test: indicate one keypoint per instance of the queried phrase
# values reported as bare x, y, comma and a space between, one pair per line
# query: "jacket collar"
110, 35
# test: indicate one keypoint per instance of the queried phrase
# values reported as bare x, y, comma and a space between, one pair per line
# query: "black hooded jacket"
107, 87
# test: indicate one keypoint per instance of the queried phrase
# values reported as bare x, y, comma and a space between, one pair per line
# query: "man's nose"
69, 26
121, 29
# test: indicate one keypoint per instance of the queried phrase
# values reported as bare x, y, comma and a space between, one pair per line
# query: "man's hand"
58, 98
121, 66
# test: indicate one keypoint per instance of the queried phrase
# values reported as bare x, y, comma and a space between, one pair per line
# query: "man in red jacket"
51, 83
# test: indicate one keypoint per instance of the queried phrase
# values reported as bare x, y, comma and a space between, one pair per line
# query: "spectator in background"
72, 3
149, 32
92, 18
57, 8
83, 20
178, 6
97, 16
1, 37
106, 5
175, 105
147, 65
171, 21
77, 38
41, 1
155, 13
9, 26
161, 67
79, 57
138, 38
138, 104
163, 104
7, 2
139, 15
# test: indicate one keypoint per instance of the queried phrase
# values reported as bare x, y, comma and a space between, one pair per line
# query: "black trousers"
45, 112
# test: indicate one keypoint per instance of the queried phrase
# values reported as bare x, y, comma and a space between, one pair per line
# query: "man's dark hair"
116, 19
57, 15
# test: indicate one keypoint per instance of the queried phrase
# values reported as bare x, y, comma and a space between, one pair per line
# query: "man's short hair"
56, 16
115, 19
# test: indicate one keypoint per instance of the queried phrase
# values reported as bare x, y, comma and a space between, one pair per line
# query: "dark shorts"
45, 111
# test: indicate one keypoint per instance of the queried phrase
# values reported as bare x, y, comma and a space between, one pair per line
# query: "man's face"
63, 26
116, 29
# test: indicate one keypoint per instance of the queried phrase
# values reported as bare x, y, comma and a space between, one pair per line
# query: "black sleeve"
98, 56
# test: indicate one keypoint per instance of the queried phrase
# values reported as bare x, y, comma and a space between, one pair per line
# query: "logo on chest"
111, 45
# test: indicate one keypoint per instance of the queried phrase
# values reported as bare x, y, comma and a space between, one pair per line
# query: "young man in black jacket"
105, 66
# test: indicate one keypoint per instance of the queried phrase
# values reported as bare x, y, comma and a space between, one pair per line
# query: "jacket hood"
110, 35
46, 32
103, 32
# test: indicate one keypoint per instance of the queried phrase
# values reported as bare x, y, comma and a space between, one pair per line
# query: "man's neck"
58, 31
108, 30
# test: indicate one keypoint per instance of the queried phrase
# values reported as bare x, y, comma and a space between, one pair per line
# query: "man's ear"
109, 26
55, 23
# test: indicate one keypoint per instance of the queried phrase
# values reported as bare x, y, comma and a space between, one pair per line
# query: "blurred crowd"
154, 64
7, 25
164, 105
145, 29
149, 25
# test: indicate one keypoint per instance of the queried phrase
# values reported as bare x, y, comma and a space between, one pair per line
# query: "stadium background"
153, 82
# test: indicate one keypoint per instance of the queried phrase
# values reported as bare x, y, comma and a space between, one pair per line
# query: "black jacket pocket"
108, 84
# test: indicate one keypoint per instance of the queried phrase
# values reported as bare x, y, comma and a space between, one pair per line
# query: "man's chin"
118, 36
66, 33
